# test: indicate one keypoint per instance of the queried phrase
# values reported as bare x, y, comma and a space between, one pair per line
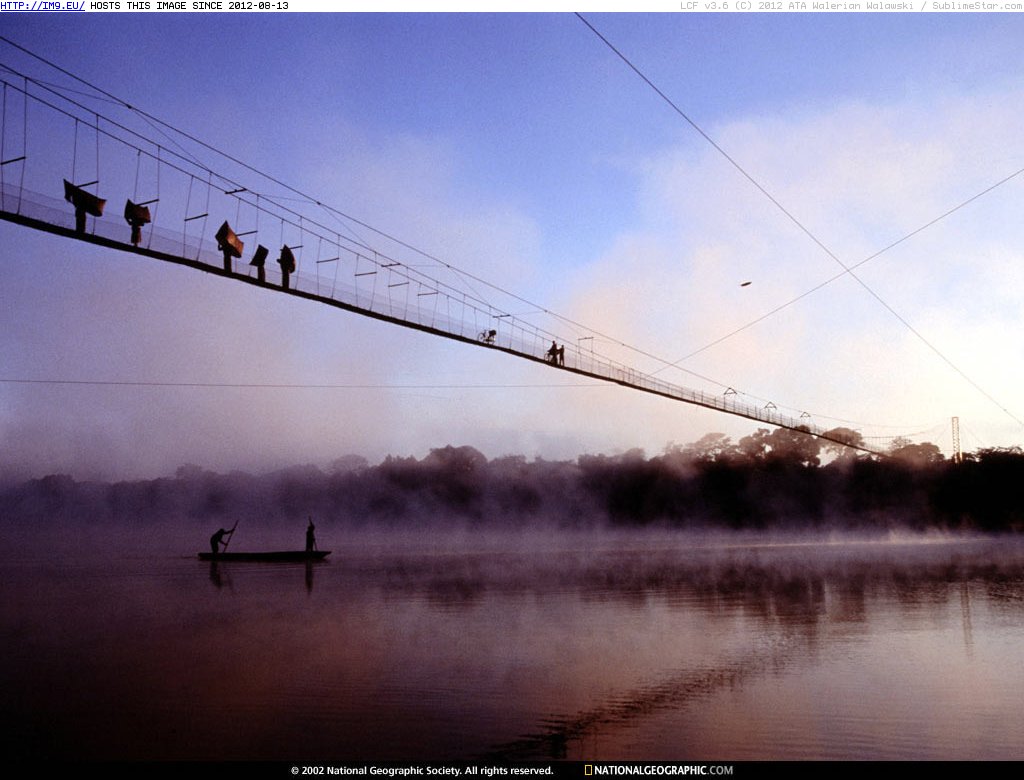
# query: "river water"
518, 647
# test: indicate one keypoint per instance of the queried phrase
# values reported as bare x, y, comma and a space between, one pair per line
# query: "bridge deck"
459, 320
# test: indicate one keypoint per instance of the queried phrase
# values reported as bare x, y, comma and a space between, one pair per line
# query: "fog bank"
694, 488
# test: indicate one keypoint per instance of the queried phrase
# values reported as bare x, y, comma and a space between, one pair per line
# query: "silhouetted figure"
310, 536
229, 244
218, 539
137, 216
259, 260
85, 203
556, 354
487, 336
287, 263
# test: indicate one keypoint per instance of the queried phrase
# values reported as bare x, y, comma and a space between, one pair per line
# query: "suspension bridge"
66, 168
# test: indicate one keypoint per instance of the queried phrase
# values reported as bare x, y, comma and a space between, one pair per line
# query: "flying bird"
745, 284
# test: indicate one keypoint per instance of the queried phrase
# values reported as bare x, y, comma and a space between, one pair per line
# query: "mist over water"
714, 605
513, 644
766, 482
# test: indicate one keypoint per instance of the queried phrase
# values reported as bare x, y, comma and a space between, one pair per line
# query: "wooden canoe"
269, 556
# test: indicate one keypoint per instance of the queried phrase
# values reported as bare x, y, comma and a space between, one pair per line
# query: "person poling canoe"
222, 537
218, 539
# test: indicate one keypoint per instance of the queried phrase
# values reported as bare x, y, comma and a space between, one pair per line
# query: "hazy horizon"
518, 147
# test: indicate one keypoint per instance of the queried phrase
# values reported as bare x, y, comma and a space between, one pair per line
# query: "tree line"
770, 479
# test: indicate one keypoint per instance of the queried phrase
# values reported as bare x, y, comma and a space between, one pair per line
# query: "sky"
520, 148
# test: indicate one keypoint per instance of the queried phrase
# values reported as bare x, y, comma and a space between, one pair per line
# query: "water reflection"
622, 710
215, 575
642, 648
965, 612
220, 572
800, 585
797, 604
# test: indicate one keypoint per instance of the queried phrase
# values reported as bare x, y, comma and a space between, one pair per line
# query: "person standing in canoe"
218, 539
310, 536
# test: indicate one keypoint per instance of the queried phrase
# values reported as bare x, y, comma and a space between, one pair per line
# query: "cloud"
858, 176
